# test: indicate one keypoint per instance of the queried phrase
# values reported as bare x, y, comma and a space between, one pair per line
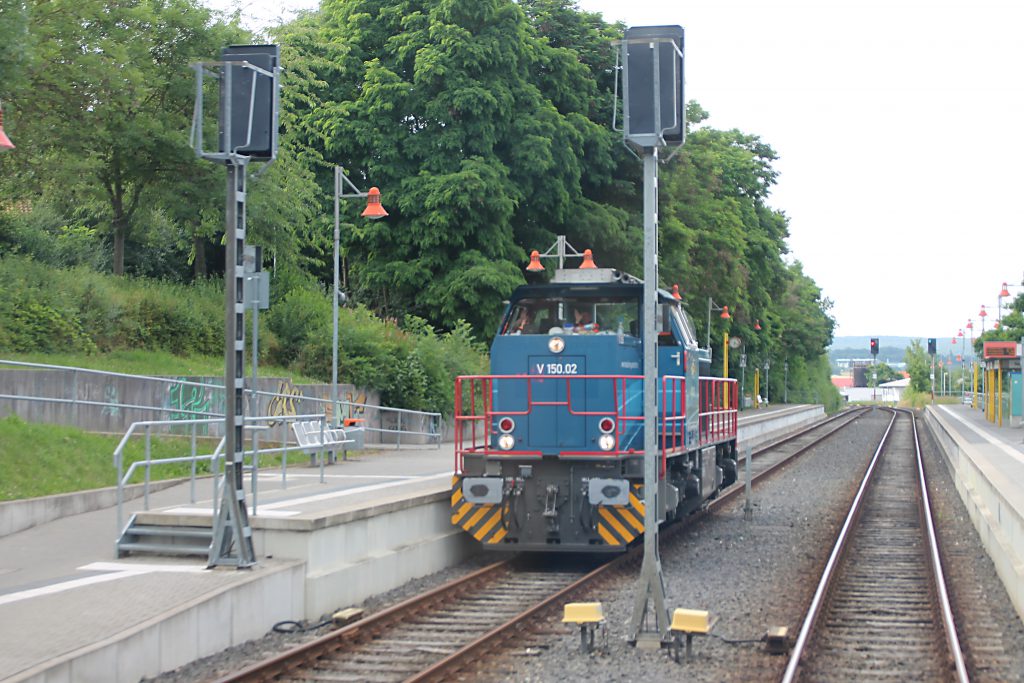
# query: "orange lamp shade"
1004, 291
757, 324
588, 259
675, 293
535, 265
374, 209
725, 313
983, 313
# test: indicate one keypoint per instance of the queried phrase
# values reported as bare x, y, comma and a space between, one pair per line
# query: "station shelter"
1002, 368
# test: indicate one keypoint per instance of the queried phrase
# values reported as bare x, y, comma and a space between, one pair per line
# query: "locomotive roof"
559, 289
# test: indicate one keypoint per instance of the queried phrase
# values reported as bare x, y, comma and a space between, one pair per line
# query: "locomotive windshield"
573, 315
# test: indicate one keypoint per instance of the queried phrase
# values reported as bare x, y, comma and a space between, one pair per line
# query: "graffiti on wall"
353, 409
189, 402
285, 403
112, 400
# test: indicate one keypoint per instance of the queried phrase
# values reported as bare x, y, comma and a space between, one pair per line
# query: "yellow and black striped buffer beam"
621, 524
483, 522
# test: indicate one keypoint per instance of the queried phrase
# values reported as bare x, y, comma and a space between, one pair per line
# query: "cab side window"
666, 335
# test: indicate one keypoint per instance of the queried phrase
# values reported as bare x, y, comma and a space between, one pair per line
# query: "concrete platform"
69, 612
987, 463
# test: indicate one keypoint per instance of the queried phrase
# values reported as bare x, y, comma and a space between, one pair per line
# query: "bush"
50, 310
44, 235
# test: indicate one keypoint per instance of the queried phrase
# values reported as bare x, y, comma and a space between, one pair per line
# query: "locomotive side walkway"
987, 463
70, 612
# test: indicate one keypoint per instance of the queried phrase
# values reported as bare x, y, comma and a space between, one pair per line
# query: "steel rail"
440, 670
937, 571
838, 551
364, 629
833, 560
314, 649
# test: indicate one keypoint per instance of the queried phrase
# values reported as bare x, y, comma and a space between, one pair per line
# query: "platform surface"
999, 450
62, 591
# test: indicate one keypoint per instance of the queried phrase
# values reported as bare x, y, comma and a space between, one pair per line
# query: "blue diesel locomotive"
549, 446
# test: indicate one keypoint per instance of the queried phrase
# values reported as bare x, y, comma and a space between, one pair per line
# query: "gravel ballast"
751, 575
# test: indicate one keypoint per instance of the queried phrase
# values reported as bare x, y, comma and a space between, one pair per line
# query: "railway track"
881, 612
449, 629
416, 639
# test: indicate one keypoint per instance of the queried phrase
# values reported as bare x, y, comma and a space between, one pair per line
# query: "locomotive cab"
549, 446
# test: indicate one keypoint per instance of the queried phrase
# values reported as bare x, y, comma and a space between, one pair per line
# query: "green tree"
107, 123
919, 366
881, 373
476, 131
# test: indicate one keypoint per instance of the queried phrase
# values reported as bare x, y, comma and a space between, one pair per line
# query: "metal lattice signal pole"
248, 119
654, 117
651, 587
231, 527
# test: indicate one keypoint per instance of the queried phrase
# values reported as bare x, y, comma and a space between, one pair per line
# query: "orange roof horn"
675, 293
588, 260
535, 265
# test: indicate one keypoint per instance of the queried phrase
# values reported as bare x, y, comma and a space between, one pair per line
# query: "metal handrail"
214, 458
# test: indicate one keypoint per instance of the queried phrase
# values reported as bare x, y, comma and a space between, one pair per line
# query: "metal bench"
314, 436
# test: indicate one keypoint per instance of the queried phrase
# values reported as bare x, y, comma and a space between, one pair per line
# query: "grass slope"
43, 459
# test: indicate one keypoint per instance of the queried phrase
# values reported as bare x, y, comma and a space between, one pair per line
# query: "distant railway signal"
874, 346
931, 346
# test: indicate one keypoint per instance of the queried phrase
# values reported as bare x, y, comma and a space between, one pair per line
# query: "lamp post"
999, 311
963, 375
767, 364
1005, 291
974, 366
725, 316
983, 314
785, 384
374, 210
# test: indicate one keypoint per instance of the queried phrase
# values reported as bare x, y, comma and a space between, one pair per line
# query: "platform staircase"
160, 539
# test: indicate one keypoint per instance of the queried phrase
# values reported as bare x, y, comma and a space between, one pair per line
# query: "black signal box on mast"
874, 346
253, 100
654, 113
931, 346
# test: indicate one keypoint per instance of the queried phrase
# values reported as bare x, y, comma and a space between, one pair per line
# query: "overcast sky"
898, 126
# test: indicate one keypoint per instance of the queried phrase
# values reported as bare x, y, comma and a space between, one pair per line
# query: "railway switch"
689, 623
589, 616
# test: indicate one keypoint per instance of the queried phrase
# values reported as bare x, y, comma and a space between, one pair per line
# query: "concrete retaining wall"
769, 427
18, 515
355, 555
170, 399
1000, 525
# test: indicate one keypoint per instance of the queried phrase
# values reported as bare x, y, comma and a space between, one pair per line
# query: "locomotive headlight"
506, 442
556, 344
606, 442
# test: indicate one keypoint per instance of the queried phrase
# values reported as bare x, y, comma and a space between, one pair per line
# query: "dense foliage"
486, 124
62, 311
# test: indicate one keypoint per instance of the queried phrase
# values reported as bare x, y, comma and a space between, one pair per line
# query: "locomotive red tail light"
606, 425
506, 425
